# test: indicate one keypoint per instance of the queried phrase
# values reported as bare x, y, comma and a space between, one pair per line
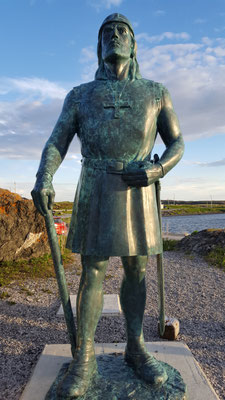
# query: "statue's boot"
146, 366
78, 377
132, 299
89, 306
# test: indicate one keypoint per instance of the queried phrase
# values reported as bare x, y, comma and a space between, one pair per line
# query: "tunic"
116, 123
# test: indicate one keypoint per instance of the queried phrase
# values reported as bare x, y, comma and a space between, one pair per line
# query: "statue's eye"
107, 30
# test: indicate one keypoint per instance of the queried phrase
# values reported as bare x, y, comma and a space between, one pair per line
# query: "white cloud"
110, 3
71, 43
200, 21
163, 36
89, 72
190, 188
195, 75
89, 59
218, 163
27, 121
32, 86
221, 29
207, 40
193, 72
88, 54
159, 13
99, 4
135, 24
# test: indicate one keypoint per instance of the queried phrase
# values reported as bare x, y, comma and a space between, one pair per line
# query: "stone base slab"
177, 354
111, 307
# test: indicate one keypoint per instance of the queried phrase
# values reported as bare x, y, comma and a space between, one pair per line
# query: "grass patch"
67, 220
63, 205
169, 244
191, 209
109, 276
217, 257
48, 291
11, 303
27, 291
40, 267
4, 295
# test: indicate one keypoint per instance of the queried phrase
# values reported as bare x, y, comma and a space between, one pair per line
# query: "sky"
49, 46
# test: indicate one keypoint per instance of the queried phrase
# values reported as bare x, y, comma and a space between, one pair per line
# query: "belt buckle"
115, 167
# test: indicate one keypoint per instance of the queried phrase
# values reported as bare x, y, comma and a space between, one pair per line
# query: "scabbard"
160, 269
61, 279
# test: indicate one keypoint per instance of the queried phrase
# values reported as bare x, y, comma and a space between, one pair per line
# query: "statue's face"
116, 41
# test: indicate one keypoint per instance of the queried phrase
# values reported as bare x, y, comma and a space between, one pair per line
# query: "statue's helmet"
115, 18
134, 67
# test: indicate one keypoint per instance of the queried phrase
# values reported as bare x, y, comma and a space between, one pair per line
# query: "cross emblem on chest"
117, 105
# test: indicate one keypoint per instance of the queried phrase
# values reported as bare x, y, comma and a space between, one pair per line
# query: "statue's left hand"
143, 176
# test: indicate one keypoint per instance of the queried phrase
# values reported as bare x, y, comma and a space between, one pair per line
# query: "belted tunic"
116, 133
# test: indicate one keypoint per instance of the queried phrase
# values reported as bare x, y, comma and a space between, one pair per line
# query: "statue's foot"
76, 381
146, 367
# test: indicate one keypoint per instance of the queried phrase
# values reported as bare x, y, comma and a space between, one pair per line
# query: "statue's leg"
132, 298
89, 308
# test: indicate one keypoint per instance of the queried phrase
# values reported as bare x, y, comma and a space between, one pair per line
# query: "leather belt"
110, 166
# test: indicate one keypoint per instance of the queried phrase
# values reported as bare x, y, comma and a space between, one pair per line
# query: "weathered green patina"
117, 118
117, 382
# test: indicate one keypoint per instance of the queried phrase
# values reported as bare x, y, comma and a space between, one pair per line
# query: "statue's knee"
93, 270
135, 267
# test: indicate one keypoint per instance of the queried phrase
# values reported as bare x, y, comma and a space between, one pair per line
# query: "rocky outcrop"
203, 242
22, 228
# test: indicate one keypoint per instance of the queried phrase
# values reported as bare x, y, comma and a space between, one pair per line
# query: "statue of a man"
117, 118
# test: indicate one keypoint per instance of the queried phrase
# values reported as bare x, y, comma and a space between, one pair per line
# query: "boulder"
22, 229
203, 242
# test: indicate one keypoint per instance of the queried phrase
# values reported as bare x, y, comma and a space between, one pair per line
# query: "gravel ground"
194, 294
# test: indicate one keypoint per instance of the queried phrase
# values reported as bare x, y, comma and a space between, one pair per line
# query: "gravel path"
195, 295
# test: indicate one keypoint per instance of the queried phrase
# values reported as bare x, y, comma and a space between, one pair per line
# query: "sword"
61, 279
160, 269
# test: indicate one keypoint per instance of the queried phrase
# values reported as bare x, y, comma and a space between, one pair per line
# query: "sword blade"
61, 279
160, 269
160, 273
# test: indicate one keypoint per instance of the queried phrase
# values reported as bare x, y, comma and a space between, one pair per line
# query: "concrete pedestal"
176, 354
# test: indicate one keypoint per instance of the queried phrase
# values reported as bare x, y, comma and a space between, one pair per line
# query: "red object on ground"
60, 226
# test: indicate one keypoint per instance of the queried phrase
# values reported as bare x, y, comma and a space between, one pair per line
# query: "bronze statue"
116, 117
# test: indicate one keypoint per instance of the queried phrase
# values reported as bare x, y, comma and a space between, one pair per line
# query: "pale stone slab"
111, 307
176, 354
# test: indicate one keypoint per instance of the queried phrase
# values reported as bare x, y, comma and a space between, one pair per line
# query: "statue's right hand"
43, 195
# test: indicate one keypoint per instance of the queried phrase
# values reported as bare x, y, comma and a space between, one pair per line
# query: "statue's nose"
115, 32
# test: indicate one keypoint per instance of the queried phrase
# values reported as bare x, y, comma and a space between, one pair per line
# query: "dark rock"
22, 229
203, 242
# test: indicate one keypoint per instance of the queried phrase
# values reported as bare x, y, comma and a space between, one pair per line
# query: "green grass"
63, 205
191, 209
4, 295
169, 244
40, 267
217, 257
67, 220
27, 291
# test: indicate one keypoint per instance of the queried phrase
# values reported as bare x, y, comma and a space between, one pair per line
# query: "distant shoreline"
169, 213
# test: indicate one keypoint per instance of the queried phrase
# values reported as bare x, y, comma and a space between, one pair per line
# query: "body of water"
190, 223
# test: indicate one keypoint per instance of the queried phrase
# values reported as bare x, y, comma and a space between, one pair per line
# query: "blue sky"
49, 46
